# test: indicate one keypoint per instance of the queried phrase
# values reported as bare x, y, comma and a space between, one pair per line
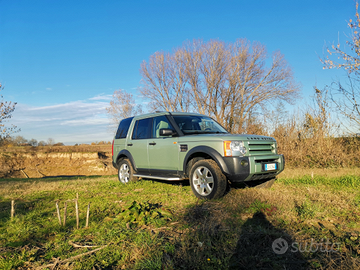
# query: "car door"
163, 151
138, 144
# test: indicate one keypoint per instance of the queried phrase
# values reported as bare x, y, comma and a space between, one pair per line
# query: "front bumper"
241, 169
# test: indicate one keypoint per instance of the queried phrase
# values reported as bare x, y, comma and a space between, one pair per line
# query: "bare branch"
225, 81
122, 105
345, 98
6, 110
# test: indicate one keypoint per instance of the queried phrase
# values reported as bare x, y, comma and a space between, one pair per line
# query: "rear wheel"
207, 180
126, 171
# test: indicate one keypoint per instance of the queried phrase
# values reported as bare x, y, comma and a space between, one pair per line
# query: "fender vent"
183, 147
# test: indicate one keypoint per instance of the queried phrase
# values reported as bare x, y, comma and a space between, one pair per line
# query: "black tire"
207, 180
126, 171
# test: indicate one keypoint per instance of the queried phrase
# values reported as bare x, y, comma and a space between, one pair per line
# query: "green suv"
177, 146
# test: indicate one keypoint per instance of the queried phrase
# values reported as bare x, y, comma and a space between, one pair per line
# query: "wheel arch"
205, 152
126, 154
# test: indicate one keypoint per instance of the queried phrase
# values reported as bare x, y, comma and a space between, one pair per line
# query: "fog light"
244, 163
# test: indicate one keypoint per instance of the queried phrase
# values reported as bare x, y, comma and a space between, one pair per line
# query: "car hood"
227, 137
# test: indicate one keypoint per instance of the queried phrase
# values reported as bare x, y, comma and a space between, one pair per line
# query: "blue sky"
62, 60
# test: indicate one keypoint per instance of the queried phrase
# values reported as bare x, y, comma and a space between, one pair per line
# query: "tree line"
21, 141
239, 83
245, 89
10, 141
227, 81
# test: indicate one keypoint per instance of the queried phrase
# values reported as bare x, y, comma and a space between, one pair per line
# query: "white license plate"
270, 167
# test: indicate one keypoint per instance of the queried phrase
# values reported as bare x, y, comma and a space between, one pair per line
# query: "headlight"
234, 148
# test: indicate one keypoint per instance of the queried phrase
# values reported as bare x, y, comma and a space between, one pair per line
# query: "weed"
258, 205
305, 210
139, 214
357, 200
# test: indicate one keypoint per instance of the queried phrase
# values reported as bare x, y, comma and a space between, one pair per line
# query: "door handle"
152, 143
129, 144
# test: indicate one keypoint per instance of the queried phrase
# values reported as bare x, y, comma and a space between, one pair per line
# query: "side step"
158, 177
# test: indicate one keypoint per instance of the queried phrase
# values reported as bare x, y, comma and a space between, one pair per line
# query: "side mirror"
166, 132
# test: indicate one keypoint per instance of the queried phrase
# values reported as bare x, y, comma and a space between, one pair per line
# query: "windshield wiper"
192, 132
216, 132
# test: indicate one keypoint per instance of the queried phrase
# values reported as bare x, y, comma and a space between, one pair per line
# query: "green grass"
158, 225
343, 182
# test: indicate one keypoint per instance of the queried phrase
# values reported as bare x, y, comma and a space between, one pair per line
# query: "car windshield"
194, 124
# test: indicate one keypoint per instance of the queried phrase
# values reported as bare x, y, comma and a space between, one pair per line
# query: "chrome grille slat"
258, 148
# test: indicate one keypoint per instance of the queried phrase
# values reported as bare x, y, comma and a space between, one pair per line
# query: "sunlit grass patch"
346, 181
236, 230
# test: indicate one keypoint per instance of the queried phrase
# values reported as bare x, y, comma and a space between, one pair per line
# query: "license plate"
270, 167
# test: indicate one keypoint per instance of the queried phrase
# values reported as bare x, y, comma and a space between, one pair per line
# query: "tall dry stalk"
65, 213
12, 213
87, 216
58, 212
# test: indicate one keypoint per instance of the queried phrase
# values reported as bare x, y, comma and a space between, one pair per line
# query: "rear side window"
142, 129
123, 128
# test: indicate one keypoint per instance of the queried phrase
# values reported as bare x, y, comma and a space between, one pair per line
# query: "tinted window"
159, 123
142, 129
123, 128
194, 124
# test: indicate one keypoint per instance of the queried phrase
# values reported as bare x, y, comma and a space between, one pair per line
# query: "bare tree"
33, 142
122, 105
213, 70
50, 142
260, 83
164, 80
346, 97
6, 110
317, 118
225, 81
345, 100
19, 140
349, 60
42, 143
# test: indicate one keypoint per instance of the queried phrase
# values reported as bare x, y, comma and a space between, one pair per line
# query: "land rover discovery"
175, 146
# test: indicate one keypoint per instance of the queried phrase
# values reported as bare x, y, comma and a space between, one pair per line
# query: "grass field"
160, 225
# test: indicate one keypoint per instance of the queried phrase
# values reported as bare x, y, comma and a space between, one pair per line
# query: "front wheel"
207, 180
126, 171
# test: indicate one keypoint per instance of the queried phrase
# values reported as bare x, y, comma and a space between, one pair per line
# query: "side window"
142, 129
159, 123
123, 128
188, 123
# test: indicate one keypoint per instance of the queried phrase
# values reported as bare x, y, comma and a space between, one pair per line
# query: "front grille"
262, 176
257, 148
265, 160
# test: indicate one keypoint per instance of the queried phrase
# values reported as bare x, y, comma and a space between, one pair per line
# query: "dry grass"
21, 188
254, 218
235, 232
82, 148
290, 172
316, 149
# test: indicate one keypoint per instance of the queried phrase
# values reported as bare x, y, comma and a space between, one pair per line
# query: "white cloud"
81, 121
101, 97
84, 121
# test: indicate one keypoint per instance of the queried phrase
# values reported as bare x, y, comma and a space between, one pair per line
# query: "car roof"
159, 113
